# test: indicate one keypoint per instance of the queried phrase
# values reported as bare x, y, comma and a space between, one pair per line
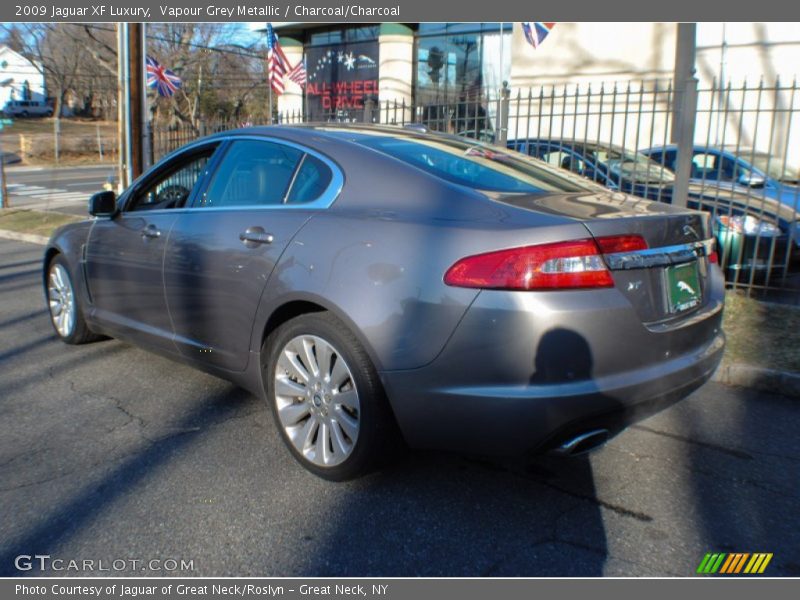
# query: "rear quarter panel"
378, 256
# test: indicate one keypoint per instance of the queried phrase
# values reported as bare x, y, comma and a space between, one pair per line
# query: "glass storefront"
342, 65
459, 70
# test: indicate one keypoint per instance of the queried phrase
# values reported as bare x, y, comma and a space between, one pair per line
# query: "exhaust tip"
582, 443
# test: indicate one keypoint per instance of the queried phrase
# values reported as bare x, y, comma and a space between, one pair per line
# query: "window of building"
364, 33
459, 67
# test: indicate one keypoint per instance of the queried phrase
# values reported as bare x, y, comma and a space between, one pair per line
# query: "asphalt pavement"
62, 189
110, 453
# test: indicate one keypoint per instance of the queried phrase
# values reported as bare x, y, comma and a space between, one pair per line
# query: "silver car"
375, 285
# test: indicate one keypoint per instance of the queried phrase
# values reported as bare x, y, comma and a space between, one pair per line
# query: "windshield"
774, 168
633, 166
472, 164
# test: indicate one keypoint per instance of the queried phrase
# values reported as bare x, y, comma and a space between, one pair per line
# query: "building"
20, 78
435, 70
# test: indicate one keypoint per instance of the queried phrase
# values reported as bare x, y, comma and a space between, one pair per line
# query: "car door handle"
151, 231
255, 236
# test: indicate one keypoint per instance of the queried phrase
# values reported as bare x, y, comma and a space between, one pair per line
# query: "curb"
23, 237
758, 378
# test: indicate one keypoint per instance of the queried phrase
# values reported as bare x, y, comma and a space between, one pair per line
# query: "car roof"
741, 151
589, 144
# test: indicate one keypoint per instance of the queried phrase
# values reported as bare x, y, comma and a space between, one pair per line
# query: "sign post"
4, 201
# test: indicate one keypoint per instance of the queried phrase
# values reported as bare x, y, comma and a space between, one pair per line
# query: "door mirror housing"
753, 181
103, 204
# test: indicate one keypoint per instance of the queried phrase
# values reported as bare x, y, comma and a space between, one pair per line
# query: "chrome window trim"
655, 257
324, 201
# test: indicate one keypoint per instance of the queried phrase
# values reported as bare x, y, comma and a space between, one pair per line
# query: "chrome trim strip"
658, 257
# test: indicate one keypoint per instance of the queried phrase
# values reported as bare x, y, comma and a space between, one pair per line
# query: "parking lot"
109, 452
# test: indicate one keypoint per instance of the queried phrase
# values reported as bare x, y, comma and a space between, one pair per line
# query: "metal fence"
731, 150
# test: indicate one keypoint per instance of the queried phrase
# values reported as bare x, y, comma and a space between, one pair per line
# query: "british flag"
298, 73
277, 64
161, 78
535, 32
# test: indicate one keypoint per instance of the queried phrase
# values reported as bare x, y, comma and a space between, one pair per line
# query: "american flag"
277, 63
161, 78
298, 73
535, 32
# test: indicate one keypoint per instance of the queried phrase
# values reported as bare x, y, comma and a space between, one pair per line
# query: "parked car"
612, 166
27, 108
732, 168
756, 235
364, 278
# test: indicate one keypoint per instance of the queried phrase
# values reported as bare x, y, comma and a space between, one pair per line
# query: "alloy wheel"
317, 400
61, 300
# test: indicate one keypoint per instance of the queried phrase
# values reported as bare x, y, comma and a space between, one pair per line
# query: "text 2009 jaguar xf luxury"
368, 280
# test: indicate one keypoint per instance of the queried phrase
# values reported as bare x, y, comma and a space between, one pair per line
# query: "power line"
242, 53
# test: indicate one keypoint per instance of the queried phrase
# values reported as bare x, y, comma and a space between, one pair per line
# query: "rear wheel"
66, 313
326, 397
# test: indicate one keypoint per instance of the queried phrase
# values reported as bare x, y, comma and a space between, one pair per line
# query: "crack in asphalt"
681, 438
715, 474
131, 417
616, 508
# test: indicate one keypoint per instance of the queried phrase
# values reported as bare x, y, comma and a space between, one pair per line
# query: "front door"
125, 254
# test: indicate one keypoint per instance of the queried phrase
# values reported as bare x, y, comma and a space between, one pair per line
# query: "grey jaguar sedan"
376, 285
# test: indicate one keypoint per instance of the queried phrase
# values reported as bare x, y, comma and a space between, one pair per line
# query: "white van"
27, 108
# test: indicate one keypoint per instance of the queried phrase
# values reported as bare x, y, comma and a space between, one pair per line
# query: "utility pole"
136, 98
4, 203
133, 100
685, 44
684, 109
122, 181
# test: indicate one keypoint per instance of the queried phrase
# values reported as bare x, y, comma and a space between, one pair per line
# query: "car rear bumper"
517, 419
524, 371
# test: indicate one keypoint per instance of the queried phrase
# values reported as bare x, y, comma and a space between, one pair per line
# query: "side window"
312, 179
173, 188
252, 173
706, 166
564, 160
732, 170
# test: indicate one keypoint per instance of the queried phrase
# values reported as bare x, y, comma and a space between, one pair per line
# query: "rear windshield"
472, 164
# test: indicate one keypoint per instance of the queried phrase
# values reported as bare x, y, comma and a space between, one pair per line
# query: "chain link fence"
731, 150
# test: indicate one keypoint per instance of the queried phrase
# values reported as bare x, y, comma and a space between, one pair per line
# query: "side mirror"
103, 204
753, 181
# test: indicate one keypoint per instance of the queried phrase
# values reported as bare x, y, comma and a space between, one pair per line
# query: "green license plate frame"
683, 287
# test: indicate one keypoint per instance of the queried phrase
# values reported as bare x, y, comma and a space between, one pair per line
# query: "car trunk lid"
665, 282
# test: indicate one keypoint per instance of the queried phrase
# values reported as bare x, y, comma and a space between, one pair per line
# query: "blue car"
609, 165
754, 233
737, 168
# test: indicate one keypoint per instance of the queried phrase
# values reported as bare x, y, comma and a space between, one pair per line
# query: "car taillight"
562, 265
713, 257
621, 243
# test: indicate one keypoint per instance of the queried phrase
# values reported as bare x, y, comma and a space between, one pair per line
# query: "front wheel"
65, 309
326, 397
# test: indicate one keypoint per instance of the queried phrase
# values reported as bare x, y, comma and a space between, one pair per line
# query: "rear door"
125, 254
223, 249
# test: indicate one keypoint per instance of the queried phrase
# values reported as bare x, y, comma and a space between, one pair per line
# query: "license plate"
683, 287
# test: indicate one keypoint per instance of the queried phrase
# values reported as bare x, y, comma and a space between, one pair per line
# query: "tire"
338, 425
64, 304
